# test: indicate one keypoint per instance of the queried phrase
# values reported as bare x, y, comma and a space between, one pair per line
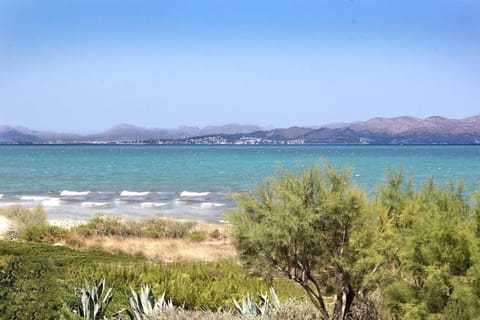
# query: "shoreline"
208, 206
197, 241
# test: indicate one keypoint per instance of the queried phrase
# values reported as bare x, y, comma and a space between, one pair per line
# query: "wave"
1, 196
74, 193
193, 194
206, 205
34, 198
153, 204
94, 204
133, 193
51, 202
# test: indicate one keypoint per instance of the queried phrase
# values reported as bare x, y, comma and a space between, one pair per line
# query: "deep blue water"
143, 180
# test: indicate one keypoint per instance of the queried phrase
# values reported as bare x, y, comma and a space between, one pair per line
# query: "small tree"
427, 239
311, 227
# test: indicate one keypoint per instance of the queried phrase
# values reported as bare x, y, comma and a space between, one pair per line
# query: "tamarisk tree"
312, 227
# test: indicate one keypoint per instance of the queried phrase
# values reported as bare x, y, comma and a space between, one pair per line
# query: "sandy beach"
5, 226
215, 242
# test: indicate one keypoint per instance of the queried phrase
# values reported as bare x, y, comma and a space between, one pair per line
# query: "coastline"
188, 240
84, 205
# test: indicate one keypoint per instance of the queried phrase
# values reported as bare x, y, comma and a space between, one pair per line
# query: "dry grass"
216, 245
165, 249
21, 218
5, 227
288, 310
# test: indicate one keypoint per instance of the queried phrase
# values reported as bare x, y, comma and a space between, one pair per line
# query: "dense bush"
310, 226
429, 251
405, 254
198, 235
37, 280
43, 234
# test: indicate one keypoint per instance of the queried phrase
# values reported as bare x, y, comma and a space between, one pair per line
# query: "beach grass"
156, 227
23, 218
156, 238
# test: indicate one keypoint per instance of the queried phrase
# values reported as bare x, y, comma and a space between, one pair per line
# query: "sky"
86, 65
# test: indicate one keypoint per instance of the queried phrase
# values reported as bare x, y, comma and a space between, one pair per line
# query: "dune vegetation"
329, 250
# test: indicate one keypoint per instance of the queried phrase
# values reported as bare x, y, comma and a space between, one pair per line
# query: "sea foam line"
153, 204
51, 202
193, 194
34, 198
206, 205
74, 193
94, 204
133, 193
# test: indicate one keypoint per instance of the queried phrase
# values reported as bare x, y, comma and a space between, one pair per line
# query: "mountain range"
398, 130
119, 133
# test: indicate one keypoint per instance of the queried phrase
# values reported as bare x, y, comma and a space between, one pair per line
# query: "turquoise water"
194, 181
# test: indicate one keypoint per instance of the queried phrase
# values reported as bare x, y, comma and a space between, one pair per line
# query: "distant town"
383, 131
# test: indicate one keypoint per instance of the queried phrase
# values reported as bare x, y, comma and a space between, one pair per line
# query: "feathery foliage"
308, 227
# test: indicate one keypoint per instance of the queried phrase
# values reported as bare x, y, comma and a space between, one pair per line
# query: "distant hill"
401, 125
399, 130
17, 135
119, 133
126, 132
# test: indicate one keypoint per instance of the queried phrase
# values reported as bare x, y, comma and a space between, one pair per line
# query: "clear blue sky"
85, 65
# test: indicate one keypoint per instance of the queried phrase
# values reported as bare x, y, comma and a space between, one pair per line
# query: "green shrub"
217, 235
198, 235
43, 233
101, 226
152, 227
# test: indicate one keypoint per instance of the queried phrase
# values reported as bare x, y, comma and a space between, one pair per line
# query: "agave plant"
250, 308
92, 302
143, 303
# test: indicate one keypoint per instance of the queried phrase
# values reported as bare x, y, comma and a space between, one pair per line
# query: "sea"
77, 182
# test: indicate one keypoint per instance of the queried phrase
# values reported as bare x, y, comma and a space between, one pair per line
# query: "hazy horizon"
86, 66
186, 126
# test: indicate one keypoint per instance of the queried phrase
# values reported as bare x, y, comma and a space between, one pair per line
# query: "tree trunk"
318, 303
349, 296
337, 310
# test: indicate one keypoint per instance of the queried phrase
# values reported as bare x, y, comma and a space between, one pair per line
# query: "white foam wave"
134, 194
51, 202
193, 194
1, 196
94, 204
206, 205
74, 193
7, 204
34, 198
153, 204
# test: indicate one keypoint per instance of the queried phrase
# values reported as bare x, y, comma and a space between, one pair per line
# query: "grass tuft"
151, 228
24, 218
